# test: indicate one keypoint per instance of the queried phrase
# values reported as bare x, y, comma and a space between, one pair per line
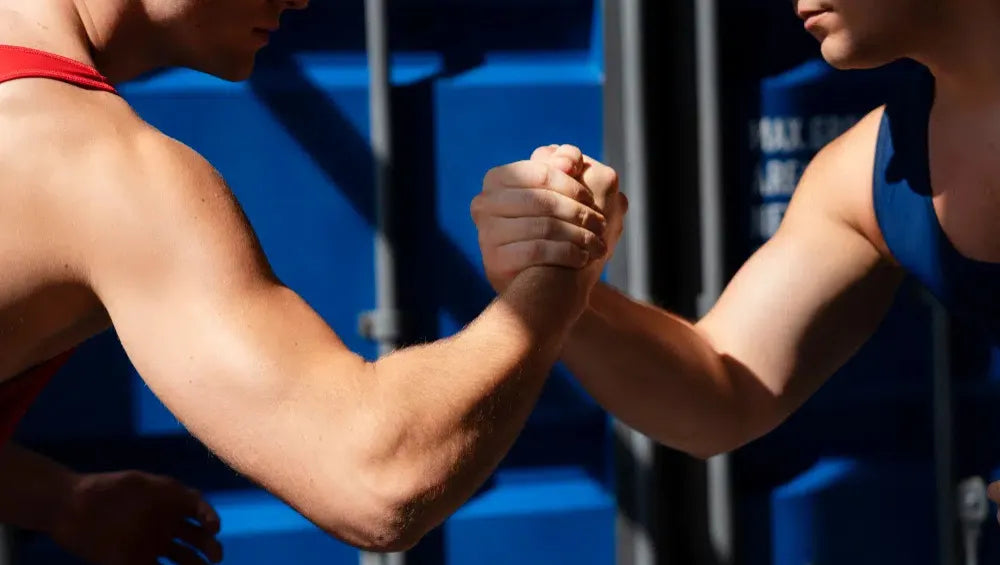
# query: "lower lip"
814, 20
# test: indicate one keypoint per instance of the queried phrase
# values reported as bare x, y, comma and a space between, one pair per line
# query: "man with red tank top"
104, 221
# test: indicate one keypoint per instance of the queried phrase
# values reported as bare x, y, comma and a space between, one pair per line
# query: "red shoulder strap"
18, 394
23, 62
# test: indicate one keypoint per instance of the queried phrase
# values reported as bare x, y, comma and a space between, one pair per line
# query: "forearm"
659, 374
379, 453
461, 402
34, 490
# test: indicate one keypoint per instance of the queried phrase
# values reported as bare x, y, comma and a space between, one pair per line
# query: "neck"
114, 36
122, 41
963, 57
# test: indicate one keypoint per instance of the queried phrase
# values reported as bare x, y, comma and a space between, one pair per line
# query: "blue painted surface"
848, 511
552, 516
257, 528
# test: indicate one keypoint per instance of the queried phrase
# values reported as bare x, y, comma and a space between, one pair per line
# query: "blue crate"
858, 512
539, 517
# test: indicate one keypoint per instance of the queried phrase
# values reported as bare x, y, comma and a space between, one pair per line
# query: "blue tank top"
970, 289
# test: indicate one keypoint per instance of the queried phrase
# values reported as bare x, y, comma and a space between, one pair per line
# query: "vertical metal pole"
6, 546
720, 500
625, 144
943, 448
383, 324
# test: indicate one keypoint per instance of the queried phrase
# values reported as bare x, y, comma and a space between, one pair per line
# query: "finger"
536, 174
598, 176
568, 159
537, 203
201, 539
503, 231
620, 208
544, 152
198, 508
182, 555
523, 254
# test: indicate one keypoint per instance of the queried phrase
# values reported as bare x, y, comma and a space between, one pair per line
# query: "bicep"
804, 303
217, 338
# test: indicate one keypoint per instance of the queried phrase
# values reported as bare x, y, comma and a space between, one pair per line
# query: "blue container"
850, 511
536, 517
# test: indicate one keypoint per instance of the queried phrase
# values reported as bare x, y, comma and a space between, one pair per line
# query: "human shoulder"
837, 184
108, 184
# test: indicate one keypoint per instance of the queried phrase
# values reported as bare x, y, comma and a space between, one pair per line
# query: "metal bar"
7, 546
635, 171
625, 147
380, 108
720, 500
381, 143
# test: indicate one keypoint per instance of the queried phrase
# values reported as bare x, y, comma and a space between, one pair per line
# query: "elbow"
746, 424
379, 524
397, 498
387, 535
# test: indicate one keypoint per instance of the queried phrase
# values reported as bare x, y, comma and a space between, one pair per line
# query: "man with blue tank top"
913, 188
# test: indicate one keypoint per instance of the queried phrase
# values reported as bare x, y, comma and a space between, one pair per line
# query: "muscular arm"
375, 453
794, 313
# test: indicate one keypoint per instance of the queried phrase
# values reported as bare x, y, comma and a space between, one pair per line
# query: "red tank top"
17, 394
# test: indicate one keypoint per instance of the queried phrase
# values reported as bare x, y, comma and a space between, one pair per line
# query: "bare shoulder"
109, 185
838, 183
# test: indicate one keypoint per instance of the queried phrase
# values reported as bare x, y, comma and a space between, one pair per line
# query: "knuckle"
490, 179
609, 177
563, 163
476, 208
536, 174
569, 252
543, 151
571, 151
544, 228
544, 203
536, 251
544, 175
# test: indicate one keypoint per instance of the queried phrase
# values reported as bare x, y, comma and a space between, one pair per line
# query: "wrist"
558, 292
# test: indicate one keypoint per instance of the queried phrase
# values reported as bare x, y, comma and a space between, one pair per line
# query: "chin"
843, 56
237, 74
230, 68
